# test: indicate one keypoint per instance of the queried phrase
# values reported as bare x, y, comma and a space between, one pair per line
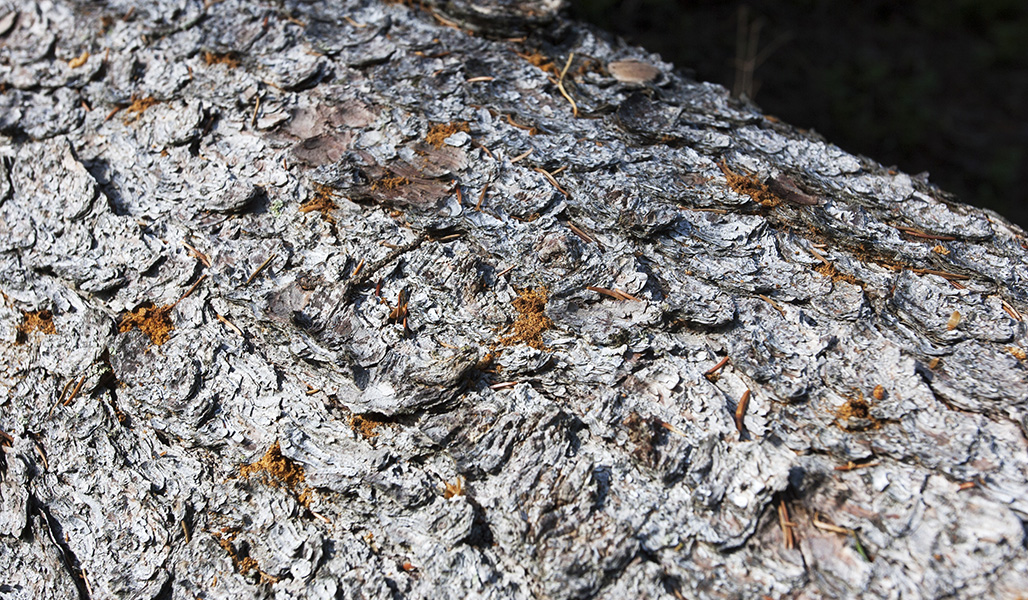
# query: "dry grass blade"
560, 85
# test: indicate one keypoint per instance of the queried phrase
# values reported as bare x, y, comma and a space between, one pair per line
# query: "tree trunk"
470, 300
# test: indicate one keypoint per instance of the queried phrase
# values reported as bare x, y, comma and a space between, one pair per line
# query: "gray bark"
323, 235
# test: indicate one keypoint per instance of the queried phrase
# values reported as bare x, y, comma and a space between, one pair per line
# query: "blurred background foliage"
925, 85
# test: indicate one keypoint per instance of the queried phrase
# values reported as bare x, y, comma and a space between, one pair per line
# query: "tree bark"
467, 299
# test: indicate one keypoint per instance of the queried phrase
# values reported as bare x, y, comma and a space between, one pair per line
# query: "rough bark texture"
343, 300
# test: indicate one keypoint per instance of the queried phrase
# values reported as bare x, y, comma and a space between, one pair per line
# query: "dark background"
938, 86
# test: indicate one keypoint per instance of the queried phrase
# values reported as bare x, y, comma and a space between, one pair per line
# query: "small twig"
39, 451
503, 385
719, 211
486, 150
61, 397
943, 274
259, 269
819, 256
349, 20
1012, 311
505, 271
920, 234
229, 324
672, 428
852, 466
185, 531
740, 411
191, 289
773, 304
560, 85
717, 367
75, 391
550, 178
200, 256
580, 233
529, 129
272, 84
613, 293
829, 527
481, 197
478, 79
456, 189
783, 521
360, 266
521, 156
445, 22
256, 108
844, 531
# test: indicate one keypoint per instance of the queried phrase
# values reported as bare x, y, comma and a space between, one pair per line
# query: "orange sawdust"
243, 562
829, 271
229, 59
281, 469
853, 412
138, 107
39, 320
488, 362
321, 201
280, 472
537, 60
153, 321
749, 185
365, 426
531, 321
438, 133
390, 183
